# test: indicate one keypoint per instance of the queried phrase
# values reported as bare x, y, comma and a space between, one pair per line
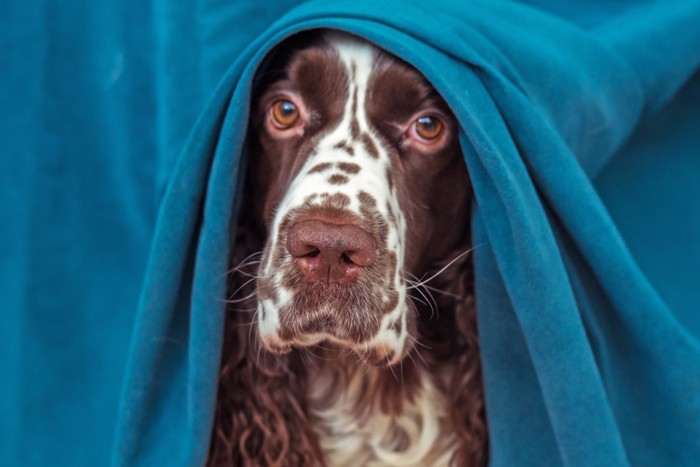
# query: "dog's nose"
331, 253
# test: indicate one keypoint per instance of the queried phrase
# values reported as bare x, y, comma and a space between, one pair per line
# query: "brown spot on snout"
344, 146
369, 146
366, 200
349, 167
338, 179
330, 253
318, 168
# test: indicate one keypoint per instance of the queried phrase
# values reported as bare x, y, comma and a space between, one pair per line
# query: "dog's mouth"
375, 354
363, 317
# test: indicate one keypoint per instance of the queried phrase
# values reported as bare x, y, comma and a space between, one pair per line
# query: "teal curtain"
121, 146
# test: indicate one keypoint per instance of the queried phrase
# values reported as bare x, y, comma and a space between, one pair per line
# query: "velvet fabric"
122, 151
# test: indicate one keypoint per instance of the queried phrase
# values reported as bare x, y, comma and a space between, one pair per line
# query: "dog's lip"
274, 344
309, 339
279, 349
380, 354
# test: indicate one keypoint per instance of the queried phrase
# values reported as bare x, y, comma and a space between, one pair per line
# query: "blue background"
121, 136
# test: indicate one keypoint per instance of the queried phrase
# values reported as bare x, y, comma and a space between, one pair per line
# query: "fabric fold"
539, 118
590, 357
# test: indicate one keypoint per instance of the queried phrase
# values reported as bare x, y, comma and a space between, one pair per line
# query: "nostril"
331, 253
362, 258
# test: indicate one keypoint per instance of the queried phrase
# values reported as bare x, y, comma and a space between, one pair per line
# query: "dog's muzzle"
330, 253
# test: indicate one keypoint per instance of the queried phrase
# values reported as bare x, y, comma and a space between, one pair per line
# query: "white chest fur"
355, 431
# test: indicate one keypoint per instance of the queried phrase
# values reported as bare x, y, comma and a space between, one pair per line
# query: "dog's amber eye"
428, 128
284, 113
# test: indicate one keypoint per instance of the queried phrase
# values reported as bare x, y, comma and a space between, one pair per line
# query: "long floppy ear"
466, 393
261, 415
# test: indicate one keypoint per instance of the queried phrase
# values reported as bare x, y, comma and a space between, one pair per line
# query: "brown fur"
262, 415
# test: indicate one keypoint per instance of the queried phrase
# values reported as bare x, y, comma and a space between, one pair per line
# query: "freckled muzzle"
333, 264
332, 279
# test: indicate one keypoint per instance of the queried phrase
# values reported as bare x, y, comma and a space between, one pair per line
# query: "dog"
351, 334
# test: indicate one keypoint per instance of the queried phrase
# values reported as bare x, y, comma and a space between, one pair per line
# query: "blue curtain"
121, 142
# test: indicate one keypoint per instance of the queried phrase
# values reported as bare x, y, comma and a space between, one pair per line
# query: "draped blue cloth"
121, 157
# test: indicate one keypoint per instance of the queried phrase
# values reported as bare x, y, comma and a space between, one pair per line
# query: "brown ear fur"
453, 337
261, 415
466, 391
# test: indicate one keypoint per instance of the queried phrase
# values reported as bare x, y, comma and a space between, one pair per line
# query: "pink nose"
330, 253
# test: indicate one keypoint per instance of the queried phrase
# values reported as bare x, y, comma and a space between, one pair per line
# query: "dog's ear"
274, 65
467, 394
454, 336
261, 416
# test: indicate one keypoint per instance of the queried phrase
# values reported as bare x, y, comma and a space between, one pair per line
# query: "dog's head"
360, 184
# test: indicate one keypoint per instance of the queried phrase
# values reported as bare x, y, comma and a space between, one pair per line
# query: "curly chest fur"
377, 418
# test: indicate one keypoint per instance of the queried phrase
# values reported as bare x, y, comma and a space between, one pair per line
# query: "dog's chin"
338, 317
381, 356
376, 354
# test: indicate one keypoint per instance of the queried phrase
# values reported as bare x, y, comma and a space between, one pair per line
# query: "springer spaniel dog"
351, 334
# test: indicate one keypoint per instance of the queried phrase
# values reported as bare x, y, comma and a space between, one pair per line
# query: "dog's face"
360, 184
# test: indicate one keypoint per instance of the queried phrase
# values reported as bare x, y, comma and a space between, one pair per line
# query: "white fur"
371, 179
372, 440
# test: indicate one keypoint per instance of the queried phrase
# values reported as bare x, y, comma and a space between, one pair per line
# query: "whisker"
413, 297
454, 260
429, 303
229, 300
244, 264
242, 299
248, 274
417, 342
247, 261
420, 285
443, 292
245, 323
322, 347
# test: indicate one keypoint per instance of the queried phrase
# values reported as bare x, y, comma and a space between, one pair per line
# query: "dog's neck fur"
368, 416
395, 416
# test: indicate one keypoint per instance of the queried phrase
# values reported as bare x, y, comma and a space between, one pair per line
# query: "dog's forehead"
325, 70
319, 75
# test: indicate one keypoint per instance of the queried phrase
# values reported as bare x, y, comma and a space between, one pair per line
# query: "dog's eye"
428, 128
284, 113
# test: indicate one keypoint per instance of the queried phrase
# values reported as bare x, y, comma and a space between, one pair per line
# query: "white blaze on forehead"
358, 58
